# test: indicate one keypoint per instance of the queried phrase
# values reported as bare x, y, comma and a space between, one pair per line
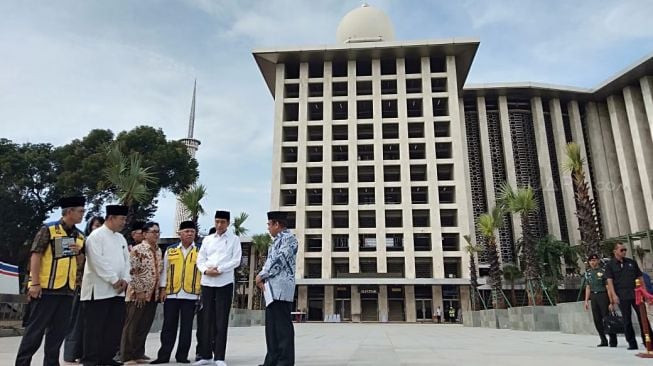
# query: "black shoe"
112, 363
183, 361
632, 347
159, 361
602, 344
613, 345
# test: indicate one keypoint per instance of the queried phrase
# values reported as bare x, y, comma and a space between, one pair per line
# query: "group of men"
611, 289
121, 286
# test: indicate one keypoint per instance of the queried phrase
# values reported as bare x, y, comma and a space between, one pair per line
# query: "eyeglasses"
623, 250
153, 231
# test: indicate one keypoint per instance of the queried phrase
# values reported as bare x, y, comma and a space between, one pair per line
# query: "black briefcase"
613, 324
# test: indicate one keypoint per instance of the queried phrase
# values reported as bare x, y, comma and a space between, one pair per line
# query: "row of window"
443, 150
450, 242
365, 131
395, 266
412, 65
367, 196
365, 109
367, 219
365, 173
364, 87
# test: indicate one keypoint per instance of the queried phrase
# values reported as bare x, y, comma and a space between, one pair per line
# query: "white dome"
365, 24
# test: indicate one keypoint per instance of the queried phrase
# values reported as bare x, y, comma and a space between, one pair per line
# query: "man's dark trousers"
138, 321
216, 302
49, 316
103, 322
600, 303
174, 311
73, 347
279, 334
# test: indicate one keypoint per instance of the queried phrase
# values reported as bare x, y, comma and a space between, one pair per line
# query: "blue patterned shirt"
279, 267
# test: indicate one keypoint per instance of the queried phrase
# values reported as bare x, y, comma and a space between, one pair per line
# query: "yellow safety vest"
57, 272
182, 272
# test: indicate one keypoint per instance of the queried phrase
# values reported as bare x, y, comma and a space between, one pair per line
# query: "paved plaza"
408, 344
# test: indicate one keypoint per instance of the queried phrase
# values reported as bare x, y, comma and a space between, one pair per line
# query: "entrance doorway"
369, 303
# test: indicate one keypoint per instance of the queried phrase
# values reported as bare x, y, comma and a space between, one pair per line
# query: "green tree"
550, 253
590, 231
488, 224
511, 273
260, 245
523, 202
191, 200
471, 250
239, 221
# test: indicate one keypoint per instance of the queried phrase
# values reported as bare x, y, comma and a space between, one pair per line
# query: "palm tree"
585, 206
512, 273
471, 250
488, 223
523, 202
128, 178
260, 244
239, 220
191, 198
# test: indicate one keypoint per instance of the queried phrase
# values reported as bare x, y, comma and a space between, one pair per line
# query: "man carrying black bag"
621, 273
597, 293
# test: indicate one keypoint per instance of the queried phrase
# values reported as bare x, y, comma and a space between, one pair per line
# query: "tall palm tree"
260, 244
191, 198
512, 273
128, 178
488, 224
471, 250
523, 202
239, 220
585, 206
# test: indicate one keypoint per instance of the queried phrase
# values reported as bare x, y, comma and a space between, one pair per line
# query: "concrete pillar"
640, 132
355, 304
302, 298
632, 186
485, 150
437, 297
329, 300
566, 184
465, 300
544, 161
383, 303
509, 159
603, 194
646, 84
614, 185
409, 295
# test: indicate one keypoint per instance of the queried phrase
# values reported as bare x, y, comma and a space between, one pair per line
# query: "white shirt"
182, 295
107, 261
221, 251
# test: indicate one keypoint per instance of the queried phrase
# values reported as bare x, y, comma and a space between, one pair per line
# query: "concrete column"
614, 185
329, 300
277, 136
352, 184
437, 297
642, 145
465, 300
381, 252
546, 170
302, 298
632, 186
383, 303
601, 172
566, 184
409, 295
578, 136
485, 149
646, 84
326, 175
355, 304
509, 158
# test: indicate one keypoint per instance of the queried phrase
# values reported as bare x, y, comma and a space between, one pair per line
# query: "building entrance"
369, 303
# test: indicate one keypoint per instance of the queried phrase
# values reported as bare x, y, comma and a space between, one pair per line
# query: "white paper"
267, 293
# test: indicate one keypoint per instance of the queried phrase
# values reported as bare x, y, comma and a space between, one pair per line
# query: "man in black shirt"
621, 273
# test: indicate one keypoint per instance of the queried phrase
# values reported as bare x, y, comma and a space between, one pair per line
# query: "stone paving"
408, 344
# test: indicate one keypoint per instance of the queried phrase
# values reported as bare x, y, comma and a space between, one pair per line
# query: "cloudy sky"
77, 65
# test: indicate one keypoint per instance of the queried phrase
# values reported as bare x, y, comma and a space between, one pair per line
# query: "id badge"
63, 247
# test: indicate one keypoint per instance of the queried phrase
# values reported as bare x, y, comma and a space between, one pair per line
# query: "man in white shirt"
219, 256
180, 291
106, 276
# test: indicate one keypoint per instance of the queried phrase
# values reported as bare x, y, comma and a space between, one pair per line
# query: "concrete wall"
573, 319
534, 318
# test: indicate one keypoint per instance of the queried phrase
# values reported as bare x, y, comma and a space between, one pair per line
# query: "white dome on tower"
365, 24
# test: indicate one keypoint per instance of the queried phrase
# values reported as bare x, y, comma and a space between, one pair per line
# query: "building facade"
384, 159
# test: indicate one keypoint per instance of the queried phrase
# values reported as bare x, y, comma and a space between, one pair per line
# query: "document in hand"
267, 293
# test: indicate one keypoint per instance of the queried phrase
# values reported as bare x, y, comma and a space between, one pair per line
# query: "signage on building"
368, 289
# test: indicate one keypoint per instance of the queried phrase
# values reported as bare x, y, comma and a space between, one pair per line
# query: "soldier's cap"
593, 256
67, 202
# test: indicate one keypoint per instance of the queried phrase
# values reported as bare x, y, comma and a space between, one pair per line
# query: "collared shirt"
224, 253
107, 261
145, 270
279, 267
41, 243
623, 275
182, 295
596, 279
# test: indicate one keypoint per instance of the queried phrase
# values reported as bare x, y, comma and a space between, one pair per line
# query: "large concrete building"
385, 158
